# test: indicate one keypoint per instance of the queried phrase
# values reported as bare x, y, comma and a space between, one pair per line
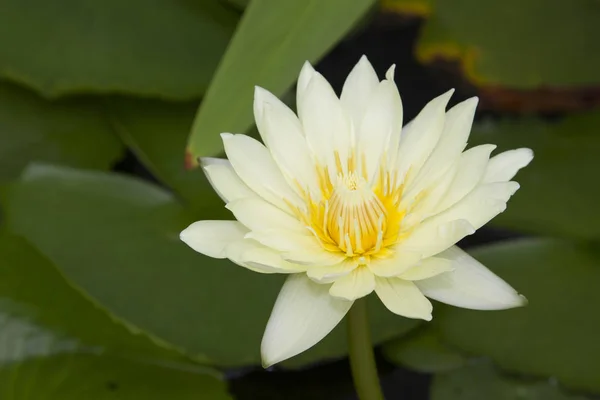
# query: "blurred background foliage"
104, 103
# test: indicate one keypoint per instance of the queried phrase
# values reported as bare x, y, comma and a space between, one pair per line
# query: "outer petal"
286, 241
255, 166
504, 166
382, 119
400, 262
358, 88
453, 140
470, 285
306, 74
403, 298
420, 136
304, 313
282, 133
435, 235
470, 170
355, 285
250, 254
427, 268
211, 238
224, 180
327, 127
258, 214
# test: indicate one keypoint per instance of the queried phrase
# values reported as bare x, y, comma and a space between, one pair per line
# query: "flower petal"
255, 166
470, 285
320, 258
504, 166
211, 238
470, 170
358, 88
355, 285
403, 298
290, 242
257, 215
382, 119
420, 136
453, 140
304, 313
400, 262
325, 123
281, 131
329, 273
224, 180
434, 236
427, 268
252, 255
306, 74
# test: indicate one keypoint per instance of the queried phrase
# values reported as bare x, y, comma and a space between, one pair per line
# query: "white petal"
287, 241
224, 180
453, 140
319, 258
358, 88
470, 285
355, 285
403, 298
258, 215
421, 135
481, 205
400, 262
255, 166
281, 131
304, 313
435, 235
430, 196
427, 268
470, 170
328, 274
325, 123
504, 166
306, 74
252, 255
382, 119
211, 238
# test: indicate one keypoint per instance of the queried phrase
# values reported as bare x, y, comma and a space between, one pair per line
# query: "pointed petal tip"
389, 75
226, 136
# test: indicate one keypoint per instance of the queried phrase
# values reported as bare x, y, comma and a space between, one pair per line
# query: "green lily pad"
480, 380
558, 195
424, 351
32, 289
556, 334
268, 49
73, 133
164, 48
124, 251
531, 54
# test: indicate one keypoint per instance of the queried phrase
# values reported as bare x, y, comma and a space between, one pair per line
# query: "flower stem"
362, 360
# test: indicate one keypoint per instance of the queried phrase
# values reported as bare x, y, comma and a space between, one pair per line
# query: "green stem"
362, 360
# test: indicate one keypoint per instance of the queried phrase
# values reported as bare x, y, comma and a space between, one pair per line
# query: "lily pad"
73, 133
557, 333
162, 48
480, 380
558, 195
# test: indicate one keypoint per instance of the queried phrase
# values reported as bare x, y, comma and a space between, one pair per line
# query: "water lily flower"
347, 201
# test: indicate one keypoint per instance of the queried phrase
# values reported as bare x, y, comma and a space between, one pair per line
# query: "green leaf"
32, 289
157, 132
531, 54
165, 48
557, 333
423, 351
559, 176
481, 381
271, 43
36, 363
124, 251
73, 133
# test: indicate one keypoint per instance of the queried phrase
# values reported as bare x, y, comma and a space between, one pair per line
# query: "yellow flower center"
353, 215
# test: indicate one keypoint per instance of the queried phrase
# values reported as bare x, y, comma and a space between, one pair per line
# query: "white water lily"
348, 202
